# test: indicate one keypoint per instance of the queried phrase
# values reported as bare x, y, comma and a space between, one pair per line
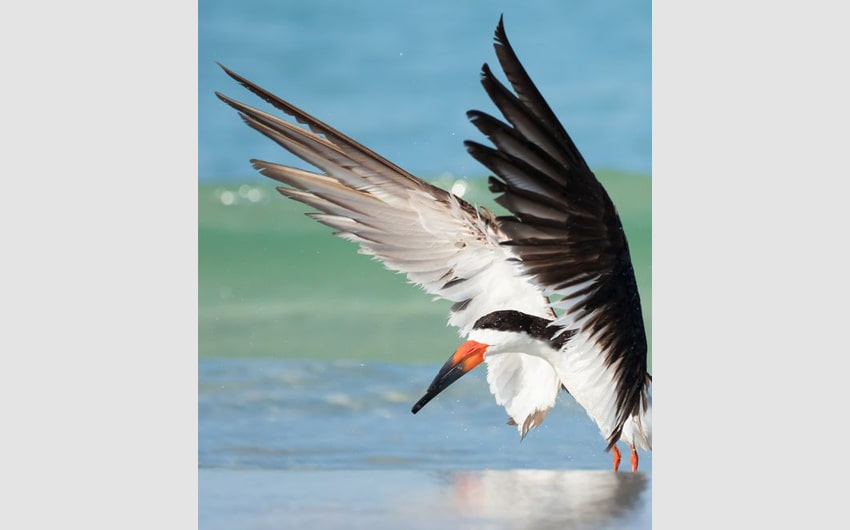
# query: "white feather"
523, 384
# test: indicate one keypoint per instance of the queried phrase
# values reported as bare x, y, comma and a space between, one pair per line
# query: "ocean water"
288, 414
310, 355
274, 283
400, 76
285, 443
413, 500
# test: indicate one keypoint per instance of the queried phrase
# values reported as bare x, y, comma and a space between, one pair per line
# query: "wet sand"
417, 499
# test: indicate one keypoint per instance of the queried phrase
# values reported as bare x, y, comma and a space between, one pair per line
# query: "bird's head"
495, 333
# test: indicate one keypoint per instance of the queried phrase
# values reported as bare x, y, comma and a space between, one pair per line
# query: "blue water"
399, 76
349, 415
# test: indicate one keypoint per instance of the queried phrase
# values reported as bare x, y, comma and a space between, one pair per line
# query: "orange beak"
468, 356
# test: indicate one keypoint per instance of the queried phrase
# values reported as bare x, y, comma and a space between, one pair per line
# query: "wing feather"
442, 243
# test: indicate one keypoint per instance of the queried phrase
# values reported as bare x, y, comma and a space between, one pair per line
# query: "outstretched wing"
568, 236
441, 242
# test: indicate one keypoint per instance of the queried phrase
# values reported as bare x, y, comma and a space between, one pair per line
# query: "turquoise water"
274, 283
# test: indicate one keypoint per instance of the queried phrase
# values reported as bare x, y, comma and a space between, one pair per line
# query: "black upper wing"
565, 227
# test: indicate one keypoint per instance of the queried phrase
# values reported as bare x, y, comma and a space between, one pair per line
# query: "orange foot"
618, 457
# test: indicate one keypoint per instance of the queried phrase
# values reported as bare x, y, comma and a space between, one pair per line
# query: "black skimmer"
546, 297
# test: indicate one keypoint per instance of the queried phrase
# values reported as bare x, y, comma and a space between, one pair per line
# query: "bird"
545, 295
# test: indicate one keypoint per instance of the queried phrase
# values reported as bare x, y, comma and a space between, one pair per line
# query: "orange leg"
617, 458
634, 458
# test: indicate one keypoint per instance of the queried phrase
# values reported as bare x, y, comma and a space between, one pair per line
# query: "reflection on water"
551, 499
410, 499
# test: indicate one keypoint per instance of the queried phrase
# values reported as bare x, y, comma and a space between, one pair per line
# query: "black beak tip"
421, 403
